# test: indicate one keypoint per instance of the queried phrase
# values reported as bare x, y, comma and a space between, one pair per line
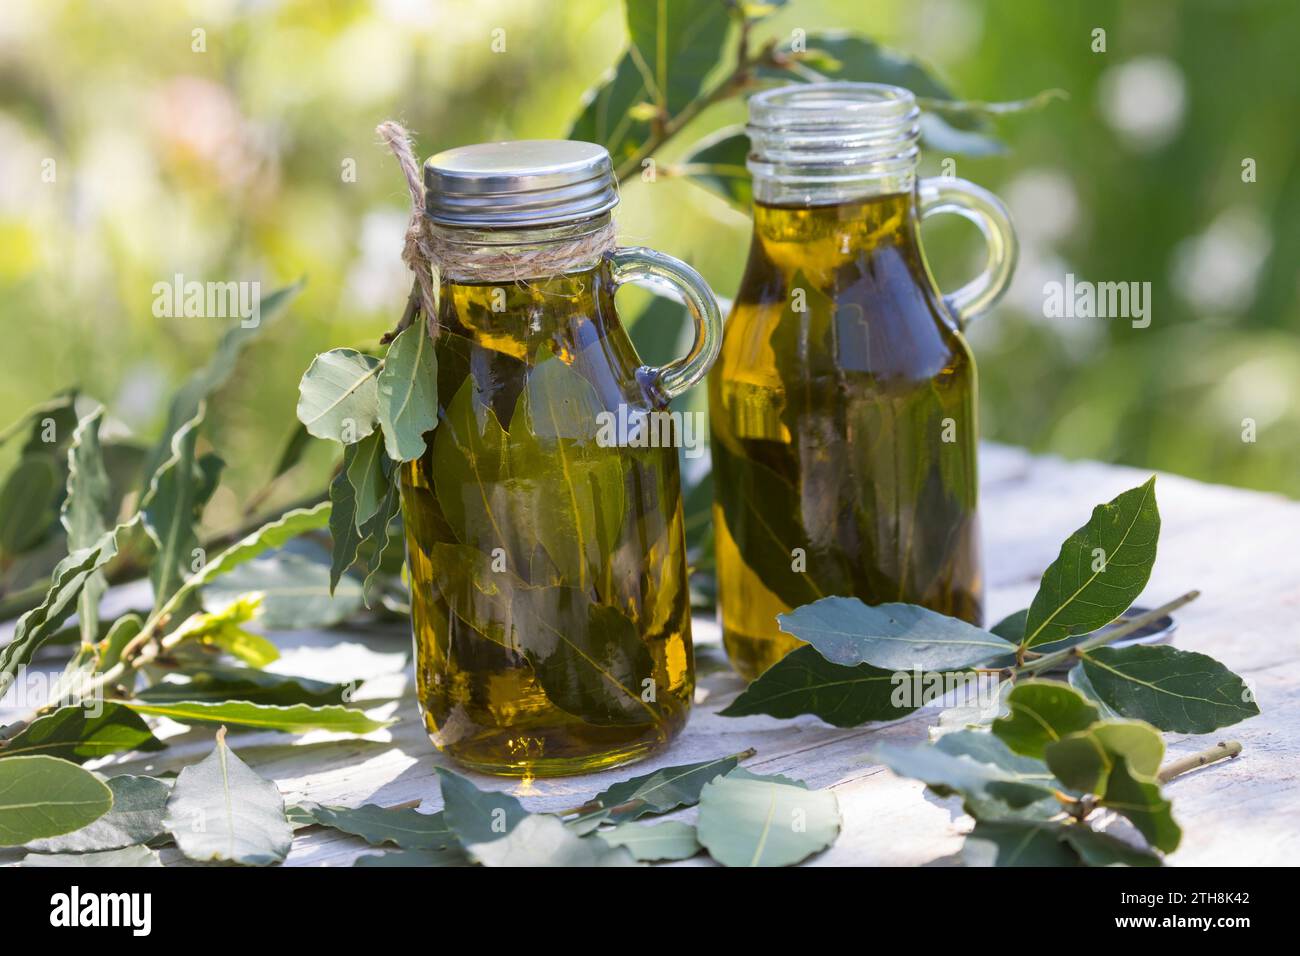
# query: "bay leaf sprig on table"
1066, 751
1036, 781
745, 819
855, 651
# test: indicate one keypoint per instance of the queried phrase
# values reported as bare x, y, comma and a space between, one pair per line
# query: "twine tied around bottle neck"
433, 253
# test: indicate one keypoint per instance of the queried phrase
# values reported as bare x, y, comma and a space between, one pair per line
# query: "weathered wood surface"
1236, 546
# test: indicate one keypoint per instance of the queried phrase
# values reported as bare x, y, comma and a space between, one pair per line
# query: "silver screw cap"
521, 183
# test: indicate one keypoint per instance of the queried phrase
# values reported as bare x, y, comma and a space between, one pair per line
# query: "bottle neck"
822, 238
833, 143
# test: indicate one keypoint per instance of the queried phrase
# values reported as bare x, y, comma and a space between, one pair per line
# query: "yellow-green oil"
843, 427
547, 568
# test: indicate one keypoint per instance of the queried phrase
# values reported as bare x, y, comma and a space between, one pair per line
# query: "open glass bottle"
548, 578
842, 409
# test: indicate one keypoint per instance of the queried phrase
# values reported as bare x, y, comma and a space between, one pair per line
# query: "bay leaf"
66, 581
670, 840
1041, 712
294, 718
452, 856
377, 536
82, 513
1017, 843
120, 634
1012, 627
44, 796
27, 501
1000, 801
660, 790
402, 827
1136, 796
1078, 679
83, 732
953, 769
338, 397
139, 808
368, 475
345, 537
295, 592
542, 840
589, 658
206, 380
408, 393
221, 810
469, 469
609, 113
896, 637
563, 483
475, 816
674, 45
761, 509
1084, 760
1102, 849
1175, 690
804, 682
222, 629
273, 534
218, 684
750, 820
171, 508
718, 163
126, 856
1101, 570
678, 43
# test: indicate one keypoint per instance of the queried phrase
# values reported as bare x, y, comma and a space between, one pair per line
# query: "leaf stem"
739, 78
592, 807
1049, 661
1223, 750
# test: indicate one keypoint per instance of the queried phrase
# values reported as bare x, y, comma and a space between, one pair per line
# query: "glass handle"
675, 278
975, 204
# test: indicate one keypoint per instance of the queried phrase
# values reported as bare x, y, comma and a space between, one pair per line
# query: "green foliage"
42, 796
1101, 569
1056, 742
404, 828
751, 820
660, 791
139, 809
670, 840
408, 393
891, 636
1042, 712
291, 718
220, 810
82, 732
1176, 690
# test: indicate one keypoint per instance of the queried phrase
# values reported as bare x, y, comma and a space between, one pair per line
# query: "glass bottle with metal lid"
544, 537
842, 408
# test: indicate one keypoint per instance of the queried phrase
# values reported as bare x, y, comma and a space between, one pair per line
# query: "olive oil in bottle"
843, 407
550, 608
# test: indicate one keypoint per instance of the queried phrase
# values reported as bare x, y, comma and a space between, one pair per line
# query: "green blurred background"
229, 164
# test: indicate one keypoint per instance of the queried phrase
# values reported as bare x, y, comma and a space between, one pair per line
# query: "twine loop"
434, 253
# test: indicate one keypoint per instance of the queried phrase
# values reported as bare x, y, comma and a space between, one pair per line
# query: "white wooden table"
1237, 547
